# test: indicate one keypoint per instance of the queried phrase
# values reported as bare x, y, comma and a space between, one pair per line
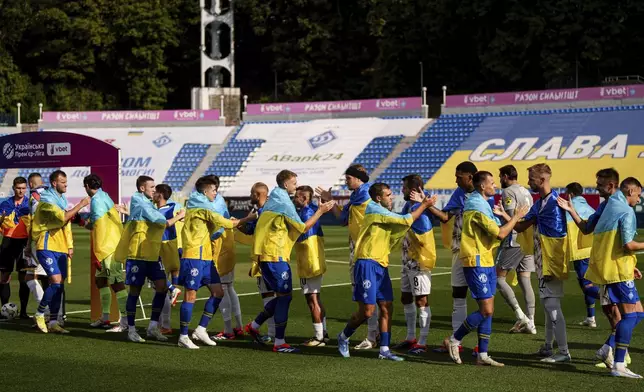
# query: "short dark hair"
33, 175
629, 182
510, 171
57, 173
307, 189
574, 189
203, 183
19, 180
608, 174
466, 167
284, 176
142, 180
413, 181
93, 181
377, 189
165, 190
259, 185
479, 177
359, 167
215, 179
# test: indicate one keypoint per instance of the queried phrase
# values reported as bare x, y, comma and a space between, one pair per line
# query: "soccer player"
106, 228
381, 231
197, 267
52, 233
612, 263
550, 254
510, 257
418, 260
479, 239
139, 247
454, 210
357, 180
275, 235
170, 250
578, 255
311, 265
15, 224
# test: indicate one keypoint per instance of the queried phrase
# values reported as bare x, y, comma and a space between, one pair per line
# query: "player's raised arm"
322, 209
325, 196
69, 215
507, 228
180, 215
425, 203
582, 224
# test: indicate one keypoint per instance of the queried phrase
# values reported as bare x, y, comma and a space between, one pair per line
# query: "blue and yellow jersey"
617, 226
353, 215
578, 243
223, 241
550, 245
105, 225
309, 248
143, 232
381, 231
245, 235
277, 229
201, 222
479, 237
49, 228
171, 241
419, 245
17, 217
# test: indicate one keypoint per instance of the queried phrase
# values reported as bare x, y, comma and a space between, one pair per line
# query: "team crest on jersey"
285, 275
194, 272
135, 269
508, 201
366, 284
483, 278
49, 261
630, 284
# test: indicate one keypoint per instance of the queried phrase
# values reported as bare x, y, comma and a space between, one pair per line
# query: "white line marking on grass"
391, 265
341, 248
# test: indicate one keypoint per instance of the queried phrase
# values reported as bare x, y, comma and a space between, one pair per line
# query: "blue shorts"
137, 270
372, 282
581, 266
481, 281
214, 274
623, 292
277, 276
54, 263
194, 273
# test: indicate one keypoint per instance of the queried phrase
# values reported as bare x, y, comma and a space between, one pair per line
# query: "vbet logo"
322, 139
162, 141
58, 149
188, 115
478, 99
616, 92
391, 104
70, 116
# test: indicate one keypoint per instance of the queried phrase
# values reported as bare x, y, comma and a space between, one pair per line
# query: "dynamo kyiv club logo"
322, 139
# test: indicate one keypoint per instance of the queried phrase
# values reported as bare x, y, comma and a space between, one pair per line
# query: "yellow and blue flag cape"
223, 240
552, 228
479, 238
244, 235
422, 246
579, 244
380, 232
309, 249
456, 203
105, 225
17, 217
143, 232
49, 227
354, 211
277, 229
200, 222
617, 226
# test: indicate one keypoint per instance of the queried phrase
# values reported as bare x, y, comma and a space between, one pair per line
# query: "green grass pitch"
90, 359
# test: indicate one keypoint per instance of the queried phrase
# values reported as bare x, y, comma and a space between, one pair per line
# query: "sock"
157, 305
226, 312
590, 307
281, 316
5, 293
47, 297
459, 313
591, 294
63, 299
185, 316
484, 331
372, 326
166, 312
347, 332
424, 319
528, 295
410, 319
209, 309
234, 305
268, 312
36, 289
23, 294
174, 280
319, 331
553, 307
106, 301
56, 300
121, 300
550, 332
611, 339
471, 322
385, 338
623, 335
130, 308
508, 294
640, 317
324, 325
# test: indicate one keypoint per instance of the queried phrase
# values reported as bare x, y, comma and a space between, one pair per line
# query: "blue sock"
348, 331
130, 308
611, 339
281, 315
170, 285
54, 305
268, 312
157, 305
590, 307
209, 310
472, 321
385, 339
174, 280
484, 330
185, 316
640, 317
592, 291
47, 296
623, 336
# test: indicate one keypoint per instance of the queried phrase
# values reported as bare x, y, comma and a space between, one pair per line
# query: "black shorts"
11, 254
